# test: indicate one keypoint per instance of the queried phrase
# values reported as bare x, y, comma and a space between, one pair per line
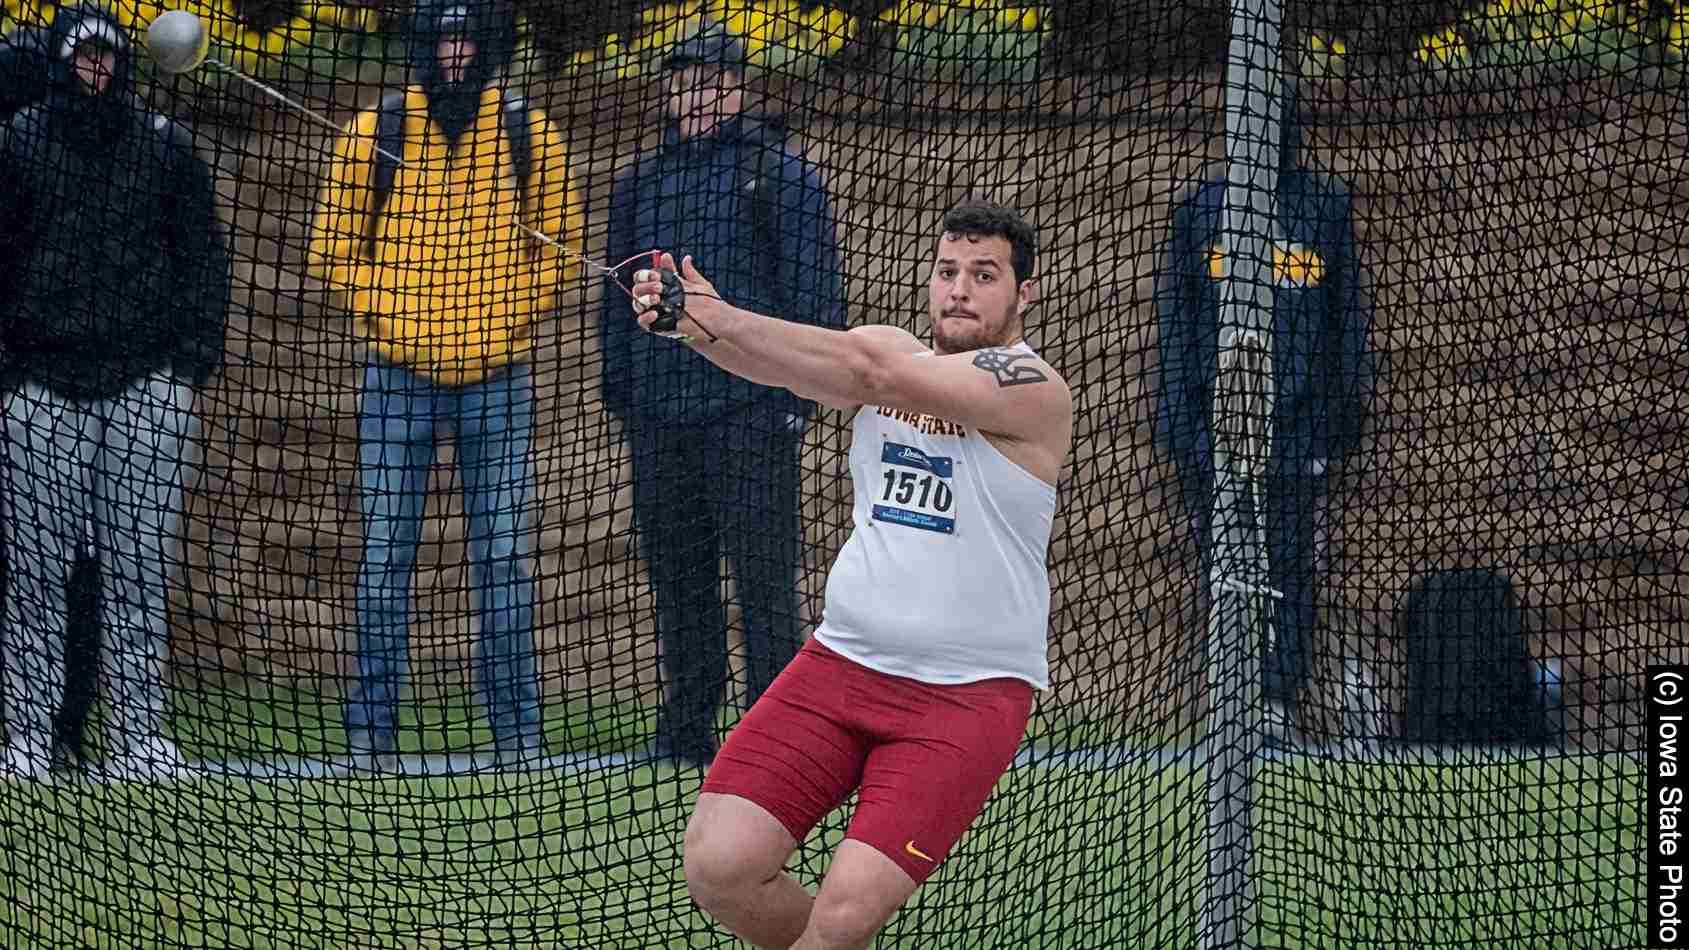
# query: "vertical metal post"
1240, 607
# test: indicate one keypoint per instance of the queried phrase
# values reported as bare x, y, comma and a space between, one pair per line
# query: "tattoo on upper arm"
1002, 364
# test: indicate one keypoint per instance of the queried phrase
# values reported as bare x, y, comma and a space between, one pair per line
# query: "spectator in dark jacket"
1320, 325
23, 68
715, 458
23, 80
113, 292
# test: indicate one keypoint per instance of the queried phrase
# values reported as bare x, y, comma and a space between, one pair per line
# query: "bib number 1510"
915, 489
908, 488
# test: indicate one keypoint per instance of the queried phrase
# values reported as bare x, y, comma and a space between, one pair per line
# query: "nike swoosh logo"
917, 852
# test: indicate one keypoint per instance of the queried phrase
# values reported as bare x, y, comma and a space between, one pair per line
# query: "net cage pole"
1238, 581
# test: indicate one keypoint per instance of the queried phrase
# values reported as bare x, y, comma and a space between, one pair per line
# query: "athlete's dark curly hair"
980, 219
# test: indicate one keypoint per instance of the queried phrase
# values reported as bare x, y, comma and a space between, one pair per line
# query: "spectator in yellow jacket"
428, 253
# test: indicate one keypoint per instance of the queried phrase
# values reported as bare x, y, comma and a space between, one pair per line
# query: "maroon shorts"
923, 757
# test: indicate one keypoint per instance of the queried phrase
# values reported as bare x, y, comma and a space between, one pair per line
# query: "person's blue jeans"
491, 424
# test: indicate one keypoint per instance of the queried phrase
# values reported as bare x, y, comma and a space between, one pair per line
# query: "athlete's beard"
975, 335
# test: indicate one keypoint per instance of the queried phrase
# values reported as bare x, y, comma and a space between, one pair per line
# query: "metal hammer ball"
178, 41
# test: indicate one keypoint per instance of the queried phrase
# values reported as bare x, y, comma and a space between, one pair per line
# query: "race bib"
915, 490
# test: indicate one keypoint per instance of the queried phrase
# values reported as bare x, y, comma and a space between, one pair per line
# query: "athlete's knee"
718, 869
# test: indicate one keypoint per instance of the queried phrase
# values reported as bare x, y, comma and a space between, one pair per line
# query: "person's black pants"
729, 488
1291, 507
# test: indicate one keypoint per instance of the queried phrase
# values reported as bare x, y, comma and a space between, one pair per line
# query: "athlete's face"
973, 299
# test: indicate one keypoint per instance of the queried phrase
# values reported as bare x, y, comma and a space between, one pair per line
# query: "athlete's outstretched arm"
999, 391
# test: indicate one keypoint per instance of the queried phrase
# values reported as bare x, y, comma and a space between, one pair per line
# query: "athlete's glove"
671, 305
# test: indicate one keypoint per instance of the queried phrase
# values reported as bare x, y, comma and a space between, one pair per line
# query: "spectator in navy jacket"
1320, 373
715, 458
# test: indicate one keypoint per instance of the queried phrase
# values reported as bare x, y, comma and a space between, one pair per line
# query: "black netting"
328, 621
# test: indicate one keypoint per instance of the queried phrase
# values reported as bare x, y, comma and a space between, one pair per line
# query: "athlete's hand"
698, 300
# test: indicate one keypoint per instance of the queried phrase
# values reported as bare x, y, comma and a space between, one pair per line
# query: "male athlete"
916, 688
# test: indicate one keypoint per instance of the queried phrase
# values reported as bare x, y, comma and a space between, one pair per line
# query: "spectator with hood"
1320, 325
23, 80
715, 457
428, 256
23, 67
114, 287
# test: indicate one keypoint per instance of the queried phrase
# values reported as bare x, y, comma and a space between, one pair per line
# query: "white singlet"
944, 576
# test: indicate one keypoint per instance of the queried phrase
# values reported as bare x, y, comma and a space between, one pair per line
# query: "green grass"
241, 718
1543, 853
415, 863
1529, 855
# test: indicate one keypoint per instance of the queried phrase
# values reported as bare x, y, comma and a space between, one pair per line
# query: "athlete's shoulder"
1019, 365
1033, 424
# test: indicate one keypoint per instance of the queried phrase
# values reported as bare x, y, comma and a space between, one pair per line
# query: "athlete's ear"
1028, 294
